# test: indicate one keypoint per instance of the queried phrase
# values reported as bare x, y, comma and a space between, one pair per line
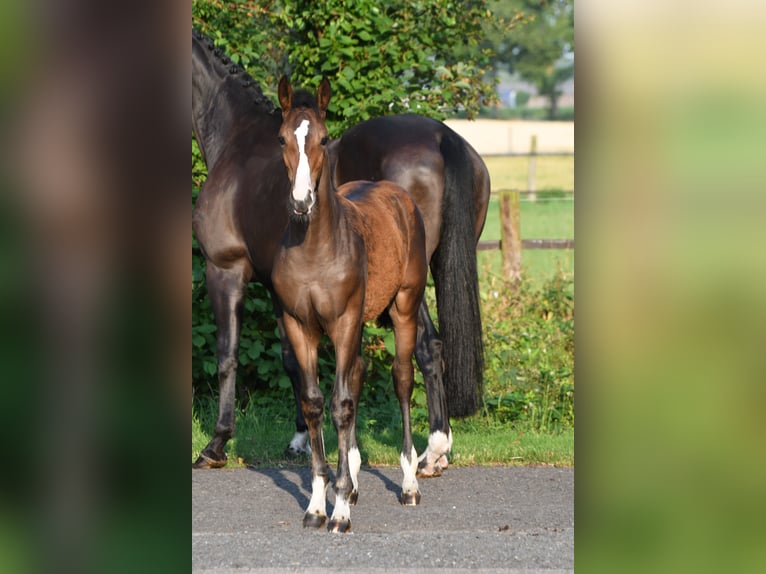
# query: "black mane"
245, 79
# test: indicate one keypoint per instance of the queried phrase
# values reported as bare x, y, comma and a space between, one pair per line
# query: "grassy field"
262, 435
550, 217
552, 172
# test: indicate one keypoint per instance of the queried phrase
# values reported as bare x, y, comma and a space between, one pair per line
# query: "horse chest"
312, 291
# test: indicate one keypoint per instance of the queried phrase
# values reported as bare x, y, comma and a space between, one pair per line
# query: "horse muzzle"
303, 207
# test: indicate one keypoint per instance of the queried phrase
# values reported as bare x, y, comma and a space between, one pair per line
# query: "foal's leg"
346, 334
405, 331
226, 288
299, 444
305, 340
428, 353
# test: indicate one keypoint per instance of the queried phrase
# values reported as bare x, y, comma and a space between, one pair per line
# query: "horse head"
303, 137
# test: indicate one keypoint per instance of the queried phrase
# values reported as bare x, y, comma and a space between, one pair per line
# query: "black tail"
453, 267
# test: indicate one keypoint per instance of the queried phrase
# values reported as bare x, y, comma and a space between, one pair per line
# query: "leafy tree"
535, 49
380, 58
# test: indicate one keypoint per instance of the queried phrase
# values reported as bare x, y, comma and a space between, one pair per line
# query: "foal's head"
303, 136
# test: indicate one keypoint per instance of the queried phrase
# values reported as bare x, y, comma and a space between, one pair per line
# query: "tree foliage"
544, 34
380, 57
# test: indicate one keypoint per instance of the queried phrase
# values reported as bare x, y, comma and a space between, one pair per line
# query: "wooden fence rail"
489, 245
511, 244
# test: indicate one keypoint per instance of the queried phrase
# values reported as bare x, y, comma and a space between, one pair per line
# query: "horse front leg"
428, 354
226, 288
349, 374
304, 341
312, 403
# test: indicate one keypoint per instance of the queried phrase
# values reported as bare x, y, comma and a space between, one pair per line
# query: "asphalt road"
500, 519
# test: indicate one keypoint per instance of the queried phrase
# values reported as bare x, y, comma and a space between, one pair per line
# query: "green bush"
529, 345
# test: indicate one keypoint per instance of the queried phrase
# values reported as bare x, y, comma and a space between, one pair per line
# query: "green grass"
550, 217
263, 432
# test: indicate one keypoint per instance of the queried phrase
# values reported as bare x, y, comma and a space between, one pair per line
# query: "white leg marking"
410, 467
302, 185
439, 444
342, 510
317, 504
300, 442
434, 459
354, 464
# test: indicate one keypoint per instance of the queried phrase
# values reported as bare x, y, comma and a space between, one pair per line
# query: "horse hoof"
313, 520
340, 526
292, 453
428, 471
353, 497
410, 498
205, 461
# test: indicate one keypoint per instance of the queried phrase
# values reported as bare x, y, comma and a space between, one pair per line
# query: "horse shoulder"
214, 221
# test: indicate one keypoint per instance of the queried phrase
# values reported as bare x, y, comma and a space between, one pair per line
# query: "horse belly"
382, 286
386, 261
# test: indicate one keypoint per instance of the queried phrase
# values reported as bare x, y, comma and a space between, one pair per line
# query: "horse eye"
324, 141
281, 140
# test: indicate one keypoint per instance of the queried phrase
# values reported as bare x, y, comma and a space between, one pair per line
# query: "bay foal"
349, 255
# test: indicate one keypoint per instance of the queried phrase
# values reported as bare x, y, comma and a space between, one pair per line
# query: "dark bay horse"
240, 217
348, 256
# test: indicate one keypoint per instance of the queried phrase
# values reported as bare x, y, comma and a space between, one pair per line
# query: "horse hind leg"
405, 331
428, 353
354, 456
300, 445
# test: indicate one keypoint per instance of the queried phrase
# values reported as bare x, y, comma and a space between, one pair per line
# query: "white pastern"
317, 504
354, 464
302, 185
439, 444
300, 442
342, 510
410, 468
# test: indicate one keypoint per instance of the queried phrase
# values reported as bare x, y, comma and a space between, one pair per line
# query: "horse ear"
323, 95
285, 93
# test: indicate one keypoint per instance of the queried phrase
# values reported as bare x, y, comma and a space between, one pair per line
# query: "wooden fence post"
532, 169
510, 230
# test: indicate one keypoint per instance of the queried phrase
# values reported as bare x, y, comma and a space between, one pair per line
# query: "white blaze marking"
302, 185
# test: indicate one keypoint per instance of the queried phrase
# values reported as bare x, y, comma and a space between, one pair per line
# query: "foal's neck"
324, 231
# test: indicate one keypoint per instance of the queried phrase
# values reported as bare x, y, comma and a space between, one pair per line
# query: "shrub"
529, 343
